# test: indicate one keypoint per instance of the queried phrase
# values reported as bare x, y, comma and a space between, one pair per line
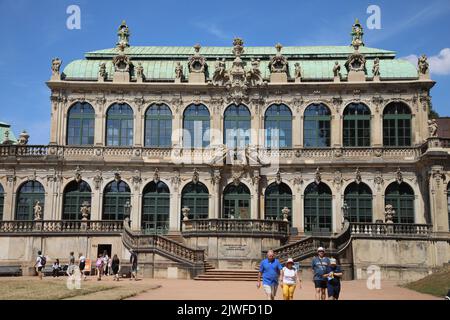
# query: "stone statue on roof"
298, 70
337, 70
220, 76
178, 71
140, 71
102, 70
56, 65
423, 65
123, 34
357, 34
254, 76
376, 67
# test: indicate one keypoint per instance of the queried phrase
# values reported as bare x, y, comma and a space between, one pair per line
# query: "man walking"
319, 267
270, 269
40, 264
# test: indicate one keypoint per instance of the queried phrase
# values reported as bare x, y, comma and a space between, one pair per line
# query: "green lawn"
56, 289
436, 284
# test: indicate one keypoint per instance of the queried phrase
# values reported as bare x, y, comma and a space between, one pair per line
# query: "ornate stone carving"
357, 34
85, 210
179, 72
376, 69
298, 180
236, 174
197, 63
123, 34
423, 67
23, 138
278, 179
37, 211
176, 180
254, 76
237, 86
358, 177
399, 176
102, 72
298, 72
337, 179
317, 176
378, 180
98, 179
437, 175
77, 175
220, 76
139, 72
256, 177
432, 127
278, 63
285, 212
56, 65
216, 177
389, 213
195, 176
185, 212
136, 179
337, 72
156, 177
356, 62
121, 62
117, 176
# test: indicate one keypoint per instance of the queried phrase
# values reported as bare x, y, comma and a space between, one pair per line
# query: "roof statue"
357, 35
123, 34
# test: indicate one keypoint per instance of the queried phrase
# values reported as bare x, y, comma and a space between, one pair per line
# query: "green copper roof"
6, 127
316, 62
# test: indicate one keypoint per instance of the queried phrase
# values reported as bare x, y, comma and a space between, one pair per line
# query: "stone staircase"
175, 236
228, 275
294, 239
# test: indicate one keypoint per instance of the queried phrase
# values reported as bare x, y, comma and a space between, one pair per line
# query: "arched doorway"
236, 202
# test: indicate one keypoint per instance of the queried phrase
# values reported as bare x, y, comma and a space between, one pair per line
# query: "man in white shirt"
39, 264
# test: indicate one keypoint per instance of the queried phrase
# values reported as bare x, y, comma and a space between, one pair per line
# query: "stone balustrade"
244, 227
390, 230
60, 226
207, 155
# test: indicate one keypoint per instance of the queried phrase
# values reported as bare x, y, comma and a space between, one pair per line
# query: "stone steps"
228, 275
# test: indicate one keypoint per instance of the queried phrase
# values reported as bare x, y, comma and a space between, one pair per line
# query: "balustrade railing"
61, 226
390, 229
275, 228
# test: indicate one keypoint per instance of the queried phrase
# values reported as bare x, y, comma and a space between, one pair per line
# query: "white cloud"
439, 64
213, 29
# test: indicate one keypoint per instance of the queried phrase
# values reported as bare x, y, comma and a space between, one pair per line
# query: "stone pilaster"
175, 211
438, 200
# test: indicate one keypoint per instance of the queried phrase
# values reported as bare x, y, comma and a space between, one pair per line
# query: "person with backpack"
99, 264
40, 264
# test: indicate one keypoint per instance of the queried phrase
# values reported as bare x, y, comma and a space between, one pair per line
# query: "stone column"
438, 200
216, 195
337, 219
97, 203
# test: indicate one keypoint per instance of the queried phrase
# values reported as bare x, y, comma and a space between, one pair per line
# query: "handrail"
359, 229
173, 250
60, 226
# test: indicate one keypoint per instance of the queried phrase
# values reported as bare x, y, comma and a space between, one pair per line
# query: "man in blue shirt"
319, 267
269, 268
333, 275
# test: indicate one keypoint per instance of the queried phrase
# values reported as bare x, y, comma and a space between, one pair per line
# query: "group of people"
104, 265
327, 275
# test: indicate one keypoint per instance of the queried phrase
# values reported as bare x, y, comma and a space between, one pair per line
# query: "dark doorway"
104, 247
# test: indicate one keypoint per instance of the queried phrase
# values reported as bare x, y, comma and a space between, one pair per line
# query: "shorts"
82, 265
39, 269
334, 290
270, 289
320, 284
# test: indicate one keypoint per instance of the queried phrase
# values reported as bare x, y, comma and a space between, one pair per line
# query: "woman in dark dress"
115, 267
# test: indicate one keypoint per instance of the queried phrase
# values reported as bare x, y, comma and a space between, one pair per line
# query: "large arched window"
81, 124
28, 194
358, 198
277, 196
356, 125
158, 126
75, 194
236, 124
401, 197
196, 124
195, 196
236, 202
115, 196
119, 125
318, 208
278, 126
396, 125
155, 208
2, 201
317, 126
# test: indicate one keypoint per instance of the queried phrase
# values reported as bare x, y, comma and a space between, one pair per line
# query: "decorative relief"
358, 177
136, 179
156, 176
176, 180
197, 63
317, 176
278, 63
98, 179
399, 176
195, 176
337, 179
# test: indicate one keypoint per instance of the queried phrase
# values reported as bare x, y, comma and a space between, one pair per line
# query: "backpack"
99, 263
43, 261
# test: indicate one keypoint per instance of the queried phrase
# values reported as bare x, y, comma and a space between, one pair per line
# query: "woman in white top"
289, 279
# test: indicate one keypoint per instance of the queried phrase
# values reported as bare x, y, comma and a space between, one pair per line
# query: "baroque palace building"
216, 154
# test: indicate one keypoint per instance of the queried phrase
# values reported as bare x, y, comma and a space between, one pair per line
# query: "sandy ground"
236, 290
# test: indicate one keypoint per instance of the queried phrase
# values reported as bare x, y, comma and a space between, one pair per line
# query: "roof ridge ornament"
357, 34
423, 67
278, 66
123, 34
197, 66
56, 65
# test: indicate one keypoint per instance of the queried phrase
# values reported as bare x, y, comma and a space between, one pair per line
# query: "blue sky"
35, 31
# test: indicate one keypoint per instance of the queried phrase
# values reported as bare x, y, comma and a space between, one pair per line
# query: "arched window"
195, 196
81, 124
278, 126
317, 208
277, 196
75, 194
317, 126
236, 124
358, 197
236, 202
401, 197
196, 124
115, 196
2, 201
28, 194
119, 125
396, 125
158, 126
155, 208
357, 125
